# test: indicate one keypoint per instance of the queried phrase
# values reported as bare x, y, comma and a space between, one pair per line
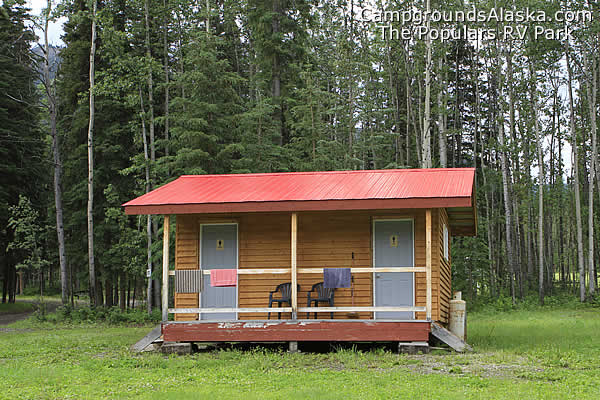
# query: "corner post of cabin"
165, 270
428, 261
294, 271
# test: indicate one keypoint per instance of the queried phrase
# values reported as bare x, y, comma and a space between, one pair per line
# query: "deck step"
148, 340
449, 338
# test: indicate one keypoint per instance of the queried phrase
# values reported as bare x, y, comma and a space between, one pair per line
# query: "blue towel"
337, 277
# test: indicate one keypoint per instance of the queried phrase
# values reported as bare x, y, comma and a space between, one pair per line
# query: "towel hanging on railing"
337, 277
223, 277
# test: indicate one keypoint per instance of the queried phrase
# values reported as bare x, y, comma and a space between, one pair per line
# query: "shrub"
503, 303
112, 315
41, 312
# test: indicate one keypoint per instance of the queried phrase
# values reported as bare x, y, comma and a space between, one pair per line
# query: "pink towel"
223, 277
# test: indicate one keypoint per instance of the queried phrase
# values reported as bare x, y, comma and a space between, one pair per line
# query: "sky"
55, 29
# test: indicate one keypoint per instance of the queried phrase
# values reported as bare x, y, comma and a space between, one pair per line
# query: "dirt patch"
472, 364
6, 319
9, 330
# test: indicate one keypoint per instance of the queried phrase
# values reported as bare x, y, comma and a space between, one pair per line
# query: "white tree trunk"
580, 261
166, 12
540, 156
408, 114
591, 94
441, 120
51, 95
90, 146
207, 16
150, 78
506, 190
426, 145
149, 218
150, 81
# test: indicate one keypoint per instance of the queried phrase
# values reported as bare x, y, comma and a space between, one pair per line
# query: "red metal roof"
303, 191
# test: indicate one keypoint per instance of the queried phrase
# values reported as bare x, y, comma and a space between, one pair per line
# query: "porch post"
165, 270
428, 261
294, 267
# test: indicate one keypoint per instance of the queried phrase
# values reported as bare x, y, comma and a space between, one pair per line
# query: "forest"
143, 91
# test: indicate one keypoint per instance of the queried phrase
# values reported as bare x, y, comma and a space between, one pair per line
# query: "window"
446, 242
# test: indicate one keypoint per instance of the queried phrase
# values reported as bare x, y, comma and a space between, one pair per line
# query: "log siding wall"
445, 270
325, 239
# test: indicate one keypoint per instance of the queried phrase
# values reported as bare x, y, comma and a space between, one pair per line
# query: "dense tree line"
224, 86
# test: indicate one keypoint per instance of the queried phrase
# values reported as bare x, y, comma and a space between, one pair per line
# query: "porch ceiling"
463, 220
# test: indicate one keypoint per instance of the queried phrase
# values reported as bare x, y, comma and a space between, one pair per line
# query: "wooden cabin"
390, 228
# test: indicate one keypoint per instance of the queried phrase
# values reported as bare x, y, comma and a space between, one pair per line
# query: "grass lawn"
552, 353
16, 308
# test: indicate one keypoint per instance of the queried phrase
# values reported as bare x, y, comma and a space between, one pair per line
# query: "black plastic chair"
286, 296
324, 295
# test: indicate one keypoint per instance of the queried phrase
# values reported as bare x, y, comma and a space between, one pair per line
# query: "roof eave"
292, 206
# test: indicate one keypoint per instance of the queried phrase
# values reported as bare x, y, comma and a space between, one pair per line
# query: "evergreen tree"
113, 141
22, 146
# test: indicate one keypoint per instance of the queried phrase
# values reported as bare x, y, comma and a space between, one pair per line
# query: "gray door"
394, 247
219, 251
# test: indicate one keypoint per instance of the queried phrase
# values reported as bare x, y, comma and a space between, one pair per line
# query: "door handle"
377, 275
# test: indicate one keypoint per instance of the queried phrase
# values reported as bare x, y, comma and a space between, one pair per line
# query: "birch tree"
52, 103
166, 13
580, 258
540, 157
426, 146
441, 100
592, 93
90, 147
148, 217
508, 215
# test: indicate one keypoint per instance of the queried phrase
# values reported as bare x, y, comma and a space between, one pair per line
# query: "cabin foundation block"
176, 348
293, 347
413, 347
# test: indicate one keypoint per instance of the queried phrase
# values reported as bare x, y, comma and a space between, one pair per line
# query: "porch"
295, 327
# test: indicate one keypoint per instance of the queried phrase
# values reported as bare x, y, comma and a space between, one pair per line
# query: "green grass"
547, 353
16, 308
